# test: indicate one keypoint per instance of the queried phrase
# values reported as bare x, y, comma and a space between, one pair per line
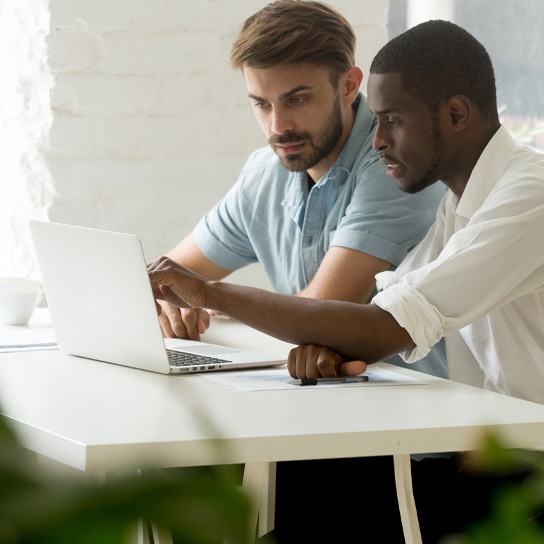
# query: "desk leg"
143, 529
260, 485
161, 536
267, 508
405, 495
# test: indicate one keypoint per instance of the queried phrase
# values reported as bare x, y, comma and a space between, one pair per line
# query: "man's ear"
460, 112
350, 82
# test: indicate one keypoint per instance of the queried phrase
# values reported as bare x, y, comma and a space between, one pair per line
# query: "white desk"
101, 417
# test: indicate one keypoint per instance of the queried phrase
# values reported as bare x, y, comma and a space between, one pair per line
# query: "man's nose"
380, 140
281, 121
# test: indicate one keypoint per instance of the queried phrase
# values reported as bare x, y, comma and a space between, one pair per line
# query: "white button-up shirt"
477, 278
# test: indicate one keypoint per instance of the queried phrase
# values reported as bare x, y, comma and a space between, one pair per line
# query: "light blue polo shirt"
271, 216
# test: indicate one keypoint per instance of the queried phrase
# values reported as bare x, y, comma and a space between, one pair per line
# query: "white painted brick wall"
151, 124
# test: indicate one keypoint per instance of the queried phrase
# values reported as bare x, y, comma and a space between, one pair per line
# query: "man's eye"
260, 105
297, 100
392, 121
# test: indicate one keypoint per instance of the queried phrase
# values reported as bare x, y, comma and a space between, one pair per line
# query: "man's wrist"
211, 290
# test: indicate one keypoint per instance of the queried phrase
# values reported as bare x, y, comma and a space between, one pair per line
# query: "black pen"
327, 381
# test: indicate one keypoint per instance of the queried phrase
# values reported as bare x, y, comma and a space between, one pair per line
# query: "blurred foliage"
525, 131
198, 505
516, 506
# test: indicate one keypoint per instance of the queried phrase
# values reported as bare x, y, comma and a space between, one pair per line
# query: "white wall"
151, 124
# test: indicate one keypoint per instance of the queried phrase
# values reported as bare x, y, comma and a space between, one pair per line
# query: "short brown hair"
295, 31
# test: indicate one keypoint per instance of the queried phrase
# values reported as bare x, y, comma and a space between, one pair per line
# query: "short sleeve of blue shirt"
222, 234
380, 219
237, 230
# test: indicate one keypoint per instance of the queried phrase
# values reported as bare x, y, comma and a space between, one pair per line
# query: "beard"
318, 146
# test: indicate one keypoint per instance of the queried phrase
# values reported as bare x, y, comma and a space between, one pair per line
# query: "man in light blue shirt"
316, 207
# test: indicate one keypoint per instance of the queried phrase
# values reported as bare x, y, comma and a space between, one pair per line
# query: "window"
511, 32
25, 118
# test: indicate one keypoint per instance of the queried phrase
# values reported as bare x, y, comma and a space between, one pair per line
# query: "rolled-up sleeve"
489, 262
413, 312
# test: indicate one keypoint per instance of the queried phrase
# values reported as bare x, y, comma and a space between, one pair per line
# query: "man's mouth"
393, 170
392, 166
290, 148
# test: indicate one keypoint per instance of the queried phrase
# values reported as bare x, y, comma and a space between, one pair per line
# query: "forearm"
188, 254
336, 280
336, 292
357, 331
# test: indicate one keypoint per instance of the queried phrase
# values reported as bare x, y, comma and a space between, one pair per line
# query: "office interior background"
126, 115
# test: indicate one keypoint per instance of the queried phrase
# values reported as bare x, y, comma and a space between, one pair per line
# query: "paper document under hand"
262, 380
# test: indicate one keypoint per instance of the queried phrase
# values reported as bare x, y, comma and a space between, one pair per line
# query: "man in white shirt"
476, 279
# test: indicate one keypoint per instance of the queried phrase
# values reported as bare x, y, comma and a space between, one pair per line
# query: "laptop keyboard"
182, 359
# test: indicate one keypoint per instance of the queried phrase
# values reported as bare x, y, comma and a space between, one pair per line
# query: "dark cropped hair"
437, 60
295, 31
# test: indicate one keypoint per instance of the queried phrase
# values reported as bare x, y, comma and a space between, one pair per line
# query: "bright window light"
25, 120
511, 31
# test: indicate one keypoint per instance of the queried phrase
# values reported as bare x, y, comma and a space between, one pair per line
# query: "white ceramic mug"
18, 299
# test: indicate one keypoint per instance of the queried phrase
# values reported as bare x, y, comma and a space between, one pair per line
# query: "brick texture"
151, 125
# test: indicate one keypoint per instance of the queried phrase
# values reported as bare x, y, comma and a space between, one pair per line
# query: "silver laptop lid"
99, 295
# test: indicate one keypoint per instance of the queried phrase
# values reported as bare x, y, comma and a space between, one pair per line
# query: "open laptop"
102, 305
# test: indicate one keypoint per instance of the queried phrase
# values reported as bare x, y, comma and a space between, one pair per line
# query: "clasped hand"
311, 361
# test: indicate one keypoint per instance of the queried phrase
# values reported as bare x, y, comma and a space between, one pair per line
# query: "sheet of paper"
27, 339
262, 380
